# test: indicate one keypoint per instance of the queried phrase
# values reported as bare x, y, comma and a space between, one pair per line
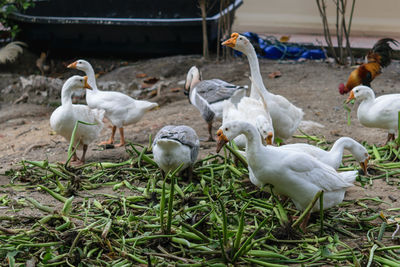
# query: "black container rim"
118, 21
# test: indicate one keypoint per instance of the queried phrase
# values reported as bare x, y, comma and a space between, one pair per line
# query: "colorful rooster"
377, 59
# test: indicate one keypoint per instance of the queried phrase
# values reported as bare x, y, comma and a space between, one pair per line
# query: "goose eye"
226, 129
240, 38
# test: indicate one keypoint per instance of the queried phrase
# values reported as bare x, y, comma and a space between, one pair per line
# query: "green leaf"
10, 258
47, 256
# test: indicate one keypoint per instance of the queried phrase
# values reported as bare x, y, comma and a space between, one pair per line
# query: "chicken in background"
11, 51
41, 63
378, 58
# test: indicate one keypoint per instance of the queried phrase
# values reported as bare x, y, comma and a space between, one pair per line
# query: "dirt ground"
25, 131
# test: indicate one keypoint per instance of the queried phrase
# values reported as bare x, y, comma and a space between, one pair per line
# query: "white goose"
291, 173
64, 118
208, 96
119, 108
380, 112
254, 111
174, 145
333, 157
286, 117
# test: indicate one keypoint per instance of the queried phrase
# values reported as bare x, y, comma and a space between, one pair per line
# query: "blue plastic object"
313, 54
251, 36
271, 48
273, 52
283, 52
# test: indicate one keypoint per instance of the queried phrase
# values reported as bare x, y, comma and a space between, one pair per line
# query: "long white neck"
66, 94
348, 144
364, 107
195, 78
343, 143
255, 71
91, 77
192, 79
367, 95
253, 140
336, 152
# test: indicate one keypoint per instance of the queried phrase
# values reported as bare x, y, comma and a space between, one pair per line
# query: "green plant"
127, 213
9, 6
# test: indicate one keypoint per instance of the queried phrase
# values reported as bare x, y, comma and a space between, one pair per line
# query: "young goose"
334, 156
208, 96
119, 108
174, 145
286, 117
291, 173
63, 119
380, 112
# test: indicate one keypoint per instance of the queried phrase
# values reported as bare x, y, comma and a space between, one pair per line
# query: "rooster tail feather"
384, 43
382, 52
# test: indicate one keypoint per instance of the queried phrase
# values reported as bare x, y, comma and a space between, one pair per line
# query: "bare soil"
25, 132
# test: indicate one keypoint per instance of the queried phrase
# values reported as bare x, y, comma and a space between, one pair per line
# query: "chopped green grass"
216, 220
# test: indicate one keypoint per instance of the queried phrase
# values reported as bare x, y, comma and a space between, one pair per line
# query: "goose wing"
216, 90
310, 170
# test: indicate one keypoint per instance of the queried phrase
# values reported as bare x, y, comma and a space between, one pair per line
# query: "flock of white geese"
298, 171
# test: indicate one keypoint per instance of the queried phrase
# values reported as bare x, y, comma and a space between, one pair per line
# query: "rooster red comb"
342, 89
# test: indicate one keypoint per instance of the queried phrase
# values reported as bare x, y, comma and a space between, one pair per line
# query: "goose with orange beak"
380, 112
64, 118
285, 116
119, 108
294, 174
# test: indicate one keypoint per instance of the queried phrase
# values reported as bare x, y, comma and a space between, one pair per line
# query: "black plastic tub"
119, 27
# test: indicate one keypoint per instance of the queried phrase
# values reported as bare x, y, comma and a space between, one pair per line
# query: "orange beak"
72, 65
351, 97
364, 166
268, 139
222, 140
86, 85
232, 41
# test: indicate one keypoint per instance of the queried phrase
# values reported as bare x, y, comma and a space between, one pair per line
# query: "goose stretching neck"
286, 117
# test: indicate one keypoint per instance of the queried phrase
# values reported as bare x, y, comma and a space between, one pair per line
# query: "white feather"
11, 51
